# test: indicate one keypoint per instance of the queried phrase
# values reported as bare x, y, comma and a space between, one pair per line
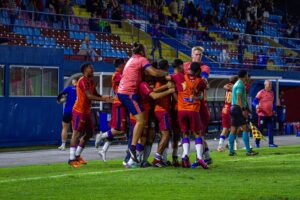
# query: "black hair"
84, 66
163, 64
154, 64
233, 79
177, 62
195, 67
138, 48
118, 62
242, 73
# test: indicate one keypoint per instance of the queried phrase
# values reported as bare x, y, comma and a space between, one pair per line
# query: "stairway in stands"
129, 33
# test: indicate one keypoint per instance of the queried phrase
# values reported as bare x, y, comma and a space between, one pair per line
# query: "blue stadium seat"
37, 32
29, 39
47, 41
53, 41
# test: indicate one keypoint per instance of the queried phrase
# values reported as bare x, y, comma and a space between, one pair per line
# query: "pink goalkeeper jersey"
266, 99
132, 74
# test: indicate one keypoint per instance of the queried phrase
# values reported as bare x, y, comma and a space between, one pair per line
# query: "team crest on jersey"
183, 85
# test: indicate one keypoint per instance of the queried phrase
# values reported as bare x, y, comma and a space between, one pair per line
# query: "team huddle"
145, 95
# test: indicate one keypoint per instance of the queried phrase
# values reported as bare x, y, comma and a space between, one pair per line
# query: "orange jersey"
191, 87
115, 79
82, 103
164, 103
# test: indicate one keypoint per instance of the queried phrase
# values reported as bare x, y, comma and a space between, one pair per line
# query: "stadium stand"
214, 26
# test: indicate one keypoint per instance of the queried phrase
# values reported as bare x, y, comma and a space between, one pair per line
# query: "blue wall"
30, 120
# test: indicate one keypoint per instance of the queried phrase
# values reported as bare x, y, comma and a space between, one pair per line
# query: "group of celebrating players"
146, 94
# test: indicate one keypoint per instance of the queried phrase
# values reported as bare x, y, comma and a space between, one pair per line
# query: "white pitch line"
260, 157
65, 175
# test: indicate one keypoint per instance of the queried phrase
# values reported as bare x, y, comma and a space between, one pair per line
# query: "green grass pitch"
273, 174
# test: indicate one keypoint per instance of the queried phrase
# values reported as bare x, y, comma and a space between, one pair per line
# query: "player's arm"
155, 72
239, 100
97, 97
168, 77
63, 93
105, 98
228, 87
256, 100
158, 95
175, 96
164, 87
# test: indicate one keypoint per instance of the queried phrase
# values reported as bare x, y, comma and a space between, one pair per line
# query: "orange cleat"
74, 163
80, 160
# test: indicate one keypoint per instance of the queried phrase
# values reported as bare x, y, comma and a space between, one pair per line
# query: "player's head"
154, 64
195, 68
87, 69
74, 81
243, 75
177, 65
139, 48
119, 63
233, 79
268, 85
197, 54
163, 65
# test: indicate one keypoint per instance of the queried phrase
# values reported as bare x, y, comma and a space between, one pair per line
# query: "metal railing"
242, 50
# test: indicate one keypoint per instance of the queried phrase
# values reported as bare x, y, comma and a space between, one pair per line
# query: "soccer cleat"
133, 155
102, 154
131, 164
157, 163
98, 140
74, 163
185, 162
232, 154
251, 153
199, 163
273, 145
167, 164
145, 164
208, 161
62, 147
220, 149
80, 160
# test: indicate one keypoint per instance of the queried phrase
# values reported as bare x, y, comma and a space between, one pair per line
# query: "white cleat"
102, 155
98, 140
220, 149
62, 147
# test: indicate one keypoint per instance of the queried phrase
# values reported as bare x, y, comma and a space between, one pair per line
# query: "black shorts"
67, 118
237, 118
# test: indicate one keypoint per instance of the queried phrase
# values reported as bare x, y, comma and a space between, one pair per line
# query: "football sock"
185, 146
199, 147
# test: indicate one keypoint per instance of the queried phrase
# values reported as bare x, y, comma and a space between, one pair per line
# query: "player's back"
185, 101
132, 74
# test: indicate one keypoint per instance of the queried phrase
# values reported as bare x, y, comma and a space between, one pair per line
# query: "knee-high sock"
72, 152
231, 139
199, 147
79, 150
185, 146
246, 141
221, 142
